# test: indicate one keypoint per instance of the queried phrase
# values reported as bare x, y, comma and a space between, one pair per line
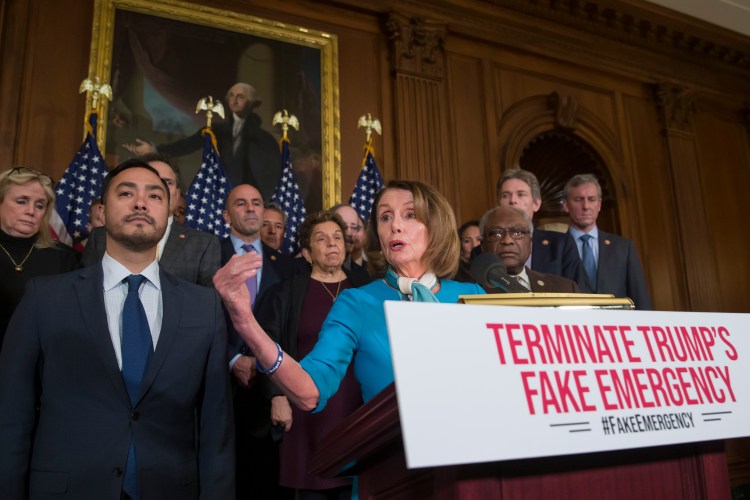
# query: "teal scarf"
418, 290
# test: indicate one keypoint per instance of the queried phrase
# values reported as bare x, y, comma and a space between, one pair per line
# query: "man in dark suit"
257, 451
113, 380
506, 232
249, 153
551, 252
184, 252
610, 261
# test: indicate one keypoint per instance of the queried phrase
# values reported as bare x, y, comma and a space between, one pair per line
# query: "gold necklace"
338, 289
18, 266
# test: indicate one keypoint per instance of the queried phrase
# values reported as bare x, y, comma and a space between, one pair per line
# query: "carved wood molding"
634, 26
676, 105
417, 45
535, 115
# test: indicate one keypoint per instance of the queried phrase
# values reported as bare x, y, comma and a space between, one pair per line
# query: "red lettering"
604, 389
731, 352
660, 337
496, 327
708, 340
525, 376
515, 344
645, 330
724, 375
533, 343
656, 386
624, 331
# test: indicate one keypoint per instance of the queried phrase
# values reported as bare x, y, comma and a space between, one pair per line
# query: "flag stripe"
79, 185
288, 197
368, 184
208, 192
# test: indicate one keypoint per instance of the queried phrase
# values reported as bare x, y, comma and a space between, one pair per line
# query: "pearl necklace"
18, 266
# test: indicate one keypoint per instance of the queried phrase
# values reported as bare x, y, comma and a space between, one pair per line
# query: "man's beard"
140, 240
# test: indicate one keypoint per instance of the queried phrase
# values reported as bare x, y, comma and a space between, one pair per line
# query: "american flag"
79, 185
288, 197
368, 184
208, 192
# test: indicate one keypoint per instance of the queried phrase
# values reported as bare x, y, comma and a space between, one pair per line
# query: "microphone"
489, 271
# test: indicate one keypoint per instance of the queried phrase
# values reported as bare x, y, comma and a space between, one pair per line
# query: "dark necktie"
252, 283
587, 258
137, 347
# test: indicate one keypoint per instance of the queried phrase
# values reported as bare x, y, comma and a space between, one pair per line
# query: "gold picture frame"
274, 46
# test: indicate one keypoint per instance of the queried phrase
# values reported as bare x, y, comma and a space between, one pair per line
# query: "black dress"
40, 262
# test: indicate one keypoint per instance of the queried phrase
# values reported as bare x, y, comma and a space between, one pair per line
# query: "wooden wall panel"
659, 247
517, 84
361, 93
50, 117
722, 146
476, 178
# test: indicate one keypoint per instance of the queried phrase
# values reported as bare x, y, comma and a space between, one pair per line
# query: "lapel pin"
273, 257
182, 236
545, 242
540, 282
607, 242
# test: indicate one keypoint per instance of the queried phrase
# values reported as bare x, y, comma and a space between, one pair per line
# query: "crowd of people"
169, 364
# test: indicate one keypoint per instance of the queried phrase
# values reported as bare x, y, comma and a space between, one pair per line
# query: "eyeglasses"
354, 228
43, 178
498, 234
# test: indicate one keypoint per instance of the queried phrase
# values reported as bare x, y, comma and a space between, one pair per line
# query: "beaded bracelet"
275, 366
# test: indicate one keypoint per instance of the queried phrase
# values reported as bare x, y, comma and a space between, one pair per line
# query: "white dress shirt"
115, 292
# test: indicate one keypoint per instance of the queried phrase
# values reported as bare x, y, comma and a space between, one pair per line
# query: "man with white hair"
249, 154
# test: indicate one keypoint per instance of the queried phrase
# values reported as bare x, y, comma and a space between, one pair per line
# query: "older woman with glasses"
26, 246
300, 306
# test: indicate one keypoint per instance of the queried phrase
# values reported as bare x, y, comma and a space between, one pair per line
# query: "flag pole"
370, 181
287, 194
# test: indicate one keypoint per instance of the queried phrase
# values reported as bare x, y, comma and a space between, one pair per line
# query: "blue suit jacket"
619, 270
59, 357
556, 253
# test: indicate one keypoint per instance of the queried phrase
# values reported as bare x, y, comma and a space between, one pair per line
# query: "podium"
368, 444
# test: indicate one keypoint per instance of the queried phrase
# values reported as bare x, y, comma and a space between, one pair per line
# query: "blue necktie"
252, 283
137, 347
587, 258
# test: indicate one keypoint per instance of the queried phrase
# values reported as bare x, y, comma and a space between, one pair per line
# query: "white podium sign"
482, 383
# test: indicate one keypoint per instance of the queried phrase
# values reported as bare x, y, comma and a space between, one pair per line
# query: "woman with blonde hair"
27, 249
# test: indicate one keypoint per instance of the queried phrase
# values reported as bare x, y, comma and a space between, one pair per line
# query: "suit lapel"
173, 246
89, 290
172, 304
270, 275
605, 257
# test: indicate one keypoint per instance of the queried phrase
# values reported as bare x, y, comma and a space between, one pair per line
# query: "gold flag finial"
94, 90
286, 120
210, 106
370, 124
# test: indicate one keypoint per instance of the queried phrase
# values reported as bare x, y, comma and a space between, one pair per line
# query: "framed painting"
162, 56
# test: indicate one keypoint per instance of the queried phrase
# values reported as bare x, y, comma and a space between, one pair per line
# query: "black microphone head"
485, 265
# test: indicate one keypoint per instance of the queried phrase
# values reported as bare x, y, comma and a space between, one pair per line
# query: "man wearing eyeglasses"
506, 232
354, 241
